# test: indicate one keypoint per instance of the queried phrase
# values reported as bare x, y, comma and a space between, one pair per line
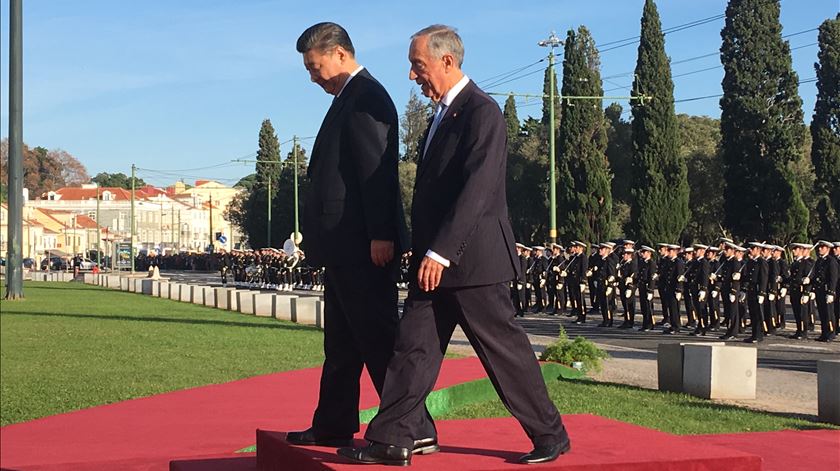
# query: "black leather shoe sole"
426, 446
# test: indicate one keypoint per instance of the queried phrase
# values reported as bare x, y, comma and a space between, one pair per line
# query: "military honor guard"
627, 281
824, 282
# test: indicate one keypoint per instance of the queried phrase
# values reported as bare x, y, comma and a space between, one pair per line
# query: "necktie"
441, 110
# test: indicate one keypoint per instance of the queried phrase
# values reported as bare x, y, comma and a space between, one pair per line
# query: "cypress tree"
269, 151
825, 131
659, 206
761, 125
256, 206
511, 119
584, 200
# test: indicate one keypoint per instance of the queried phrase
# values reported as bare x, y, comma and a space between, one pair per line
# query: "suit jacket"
354, 195
459, 208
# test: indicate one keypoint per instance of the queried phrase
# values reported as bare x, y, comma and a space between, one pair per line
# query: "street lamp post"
552, 42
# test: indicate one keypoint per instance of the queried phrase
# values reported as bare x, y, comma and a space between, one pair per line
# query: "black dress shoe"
425, 446
544, 454
308, 437
727, 337
378, 453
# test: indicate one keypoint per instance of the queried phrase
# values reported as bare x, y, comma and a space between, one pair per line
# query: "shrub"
567, 351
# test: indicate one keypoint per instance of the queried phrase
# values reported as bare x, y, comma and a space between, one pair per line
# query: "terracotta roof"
81, 194
84, 222
149, 191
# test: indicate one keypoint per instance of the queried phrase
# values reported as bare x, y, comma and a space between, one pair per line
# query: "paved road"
776, 351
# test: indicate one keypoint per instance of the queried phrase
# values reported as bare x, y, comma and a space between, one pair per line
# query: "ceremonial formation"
739, 290
269, 268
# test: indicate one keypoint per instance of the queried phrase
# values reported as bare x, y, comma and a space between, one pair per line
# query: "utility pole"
212, 242
160, 226
295, 154
552, 42
98, 231
131, 216
268, 226
179, 230
14, 262
172, 228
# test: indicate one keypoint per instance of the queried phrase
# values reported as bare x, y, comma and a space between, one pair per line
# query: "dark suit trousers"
485, 314
360, 319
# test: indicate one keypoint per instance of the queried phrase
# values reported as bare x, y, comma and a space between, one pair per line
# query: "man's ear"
448, 61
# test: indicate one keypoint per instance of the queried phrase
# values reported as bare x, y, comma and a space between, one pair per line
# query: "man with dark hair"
354, 227
464, 258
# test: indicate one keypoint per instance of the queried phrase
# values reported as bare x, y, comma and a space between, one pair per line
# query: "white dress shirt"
442, 108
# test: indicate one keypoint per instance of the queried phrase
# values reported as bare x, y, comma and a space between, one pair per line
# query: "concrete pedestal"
136, 285
263, 304
307, 311
222, 297
124, 283
245, 301
282, 306
175, 291
716, 371
828, 390
669, 367
209, 296
147, 286
163, 289
197, 294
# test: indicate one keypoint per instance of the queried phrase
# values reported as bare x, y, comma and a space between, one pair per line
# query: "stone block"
147, 287
209, 296
263, 304
197, 294
307, 311
282, 306
175, 291
90, 278
163, 289
669, 367
136, 285
245, 301
114, 281
124, 283
717, 371
233, 299
222, 297
828, 391
186, 294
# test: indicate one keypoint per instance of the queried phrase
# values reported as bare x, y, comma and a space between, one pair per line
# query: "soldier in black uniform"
576, 280
554, 264
224, 265
536, 277
824, 283
646, 280
713, 297
782, 282
517, 286
687, 279
773, 284
627, 280
836, 253
730, 288
594, 262
606, 282
673, 288
755, 285
664, 269
800, 300
525, 260
700, 289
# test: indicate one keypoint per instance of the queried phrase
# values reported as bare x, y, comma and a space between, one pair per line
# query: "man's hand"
381, 252
428, 276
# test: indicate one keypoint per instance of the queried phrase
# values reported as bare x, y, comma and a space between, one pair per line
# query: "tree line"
653, 176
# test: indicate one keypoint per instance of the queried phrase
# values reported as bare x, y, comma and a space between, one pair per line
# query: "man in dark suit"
464, 259
354, 226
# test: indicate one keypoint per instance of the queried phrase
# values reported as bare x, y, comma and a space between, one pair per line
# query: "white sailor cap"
800, 245
645, 248
629, 250
730, 245
673, 247
538, 247
824, 243
521, 246
628, 242
725, 240
688, 250
700, 247
578, 243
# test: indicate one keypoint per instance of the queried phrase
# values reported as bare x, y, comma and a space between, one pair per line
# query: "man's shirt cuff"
434, 256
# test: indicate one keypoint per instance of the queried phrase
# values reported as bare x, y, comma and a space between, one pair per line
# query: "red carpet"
495, 444
811, 450
147, 433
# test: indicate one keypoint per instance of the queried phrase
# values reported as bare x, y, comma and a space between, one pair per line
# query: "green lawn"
668, 412
69, 346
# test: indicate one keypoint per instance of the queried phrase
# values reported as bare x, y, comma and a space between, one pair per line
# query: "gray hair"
325, 37
443, 40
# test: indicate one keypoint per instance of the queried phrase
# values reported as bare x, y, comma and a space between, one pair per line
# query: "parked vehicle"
55, 263
29, 263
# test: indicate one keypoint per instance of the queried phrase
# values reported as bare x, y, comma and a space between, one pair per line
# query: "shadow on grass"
108, 317
700, 403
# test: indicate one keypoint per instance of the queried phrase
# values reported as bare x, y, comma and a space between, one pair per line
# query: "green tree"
825, 132
117, 180
511, 119
659, 210
527, 183
546, 116
407, 174
584, 200
761, 125
413, 126
699, 138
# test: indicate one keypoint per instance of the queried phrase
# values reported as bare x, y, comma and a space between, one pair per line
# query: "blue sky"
175, 85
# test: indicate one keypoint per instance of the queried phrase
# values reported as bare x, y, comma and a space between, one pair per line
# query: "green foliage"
546, 111
659, 210
71, 346
761, 125
566, 352
413, 126
407, 171
699, 137
825, 132
527, 182
619, 154
511, 119
584, 199
116, 180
